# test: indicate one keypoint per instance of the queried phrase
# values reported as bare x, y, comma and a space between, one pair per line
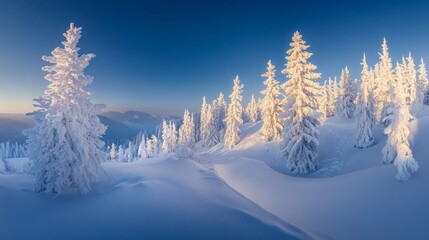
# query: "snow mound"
162, 198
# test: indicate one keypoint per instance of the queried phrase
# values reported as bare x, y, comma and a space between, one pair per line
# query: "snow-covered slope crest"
162, 198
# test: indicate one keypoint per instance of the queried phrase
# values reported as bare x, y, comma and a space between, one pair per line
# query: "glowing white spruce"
65, 144
301, 127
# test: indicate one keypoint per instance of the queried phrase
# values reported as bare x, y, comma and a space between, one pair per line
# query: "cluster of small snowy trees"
166, 140
212, 125
391, 97
12, 150
292, 112
294, 119
142, 146
387, 96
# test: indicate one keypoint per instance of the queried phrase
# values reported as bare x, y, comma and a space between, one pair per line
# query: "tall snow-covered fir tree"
423, 84
121, 154
259, 102
364, 114
234, 116
301, 127
372, 89
169, 137
173, 136
112, 153
165, 137
141, 152
410, 80
129, 152
271, 106
336, 88
330, 98
323, 102
65, 145
397, 149
400, 74
356, 88
212, 129
203, 121
219, 109
384, 79
152, 147
186, 136
252, 110
345, 106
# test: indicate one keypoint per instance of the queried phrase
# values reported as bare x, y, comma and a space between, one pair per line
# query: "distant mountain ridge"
120, 125
11, 126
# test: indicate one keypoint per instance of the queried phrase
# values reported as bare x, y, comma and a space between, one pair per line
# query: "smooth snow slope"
352, 196
150, 199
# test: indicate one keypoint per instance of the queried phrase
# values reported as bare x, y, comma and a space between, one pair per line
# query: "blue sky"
163, 56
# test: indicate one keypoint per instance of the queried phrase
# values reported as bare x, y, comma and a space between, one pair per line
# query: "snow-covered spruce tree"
165, 137
300, 134
423, 83
364, 114
384, 81
151, 146
330, 98
112, 152
234, 116
65, 144
169, 137
355, 91
389, 110
410, 81
156, 145
173, 136
141, 153
129, 152
323, 102
345, 103
121, 154
397, 149
336, 91
372, 89
259, 102
212, 132
186, 137
219, 109
203, 121
252, 110
271, 106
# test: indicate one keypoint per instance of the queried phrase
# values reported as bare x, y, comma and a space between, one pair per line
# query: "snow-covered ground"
245, 193
162, 198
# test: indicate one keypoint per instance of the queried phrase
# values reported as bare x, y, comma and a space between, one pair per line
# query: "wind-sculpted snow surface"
150, 199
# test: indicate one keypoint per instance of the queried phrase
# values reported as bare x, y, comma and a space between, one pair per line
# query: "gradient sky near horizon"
163, 56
